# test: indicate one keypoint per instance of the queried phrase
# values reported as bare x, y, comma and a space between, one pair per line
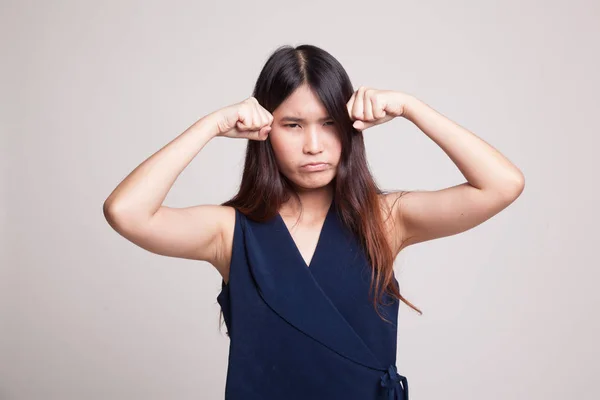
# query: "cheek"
335, 147
284, 149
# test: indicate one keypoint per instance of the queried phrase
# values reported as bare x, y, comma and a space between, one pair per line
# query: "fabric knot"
395, 384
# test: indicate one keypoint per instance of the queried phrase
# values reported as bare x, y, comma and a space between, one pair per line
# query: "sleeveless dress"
306, 332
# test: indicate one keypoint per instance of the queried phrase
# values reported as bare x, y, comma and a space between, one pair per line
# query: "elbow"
508, 189
114, 214
513, 188
121, 217
518, 184
110, 213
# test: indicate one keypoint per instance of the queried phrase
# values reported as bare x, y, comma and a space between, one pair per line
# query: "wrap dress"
301, 331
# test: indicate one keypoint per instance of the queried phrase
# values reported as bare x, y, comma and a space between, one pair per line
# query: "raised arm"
493, 182
134, 209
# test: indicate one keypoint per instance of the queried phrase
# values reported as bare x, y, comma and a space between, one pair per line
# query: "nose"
312, 140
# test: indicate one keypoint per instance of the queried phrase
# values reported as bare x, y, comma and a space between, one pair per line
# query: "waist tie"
391, 381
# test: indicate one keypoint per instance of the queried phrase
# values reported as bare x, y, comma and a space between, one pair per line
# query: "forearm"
143, 191
483, 166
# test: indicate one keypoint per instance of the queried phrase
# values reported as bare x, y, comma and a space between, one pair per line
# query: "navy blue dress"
299, 331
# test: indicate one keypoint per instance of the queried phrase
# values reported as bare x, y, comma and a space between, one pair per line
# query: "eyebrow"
295, 119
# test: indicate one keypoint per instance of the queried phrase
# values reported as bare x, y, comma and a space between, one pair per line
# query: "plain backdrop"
91, 89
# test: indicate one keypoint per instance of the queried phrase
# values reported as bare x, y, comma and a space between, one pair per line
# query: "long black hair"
264, 189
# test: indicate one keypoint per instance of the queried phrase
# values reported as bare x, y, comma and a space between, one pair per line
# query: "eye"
329, 122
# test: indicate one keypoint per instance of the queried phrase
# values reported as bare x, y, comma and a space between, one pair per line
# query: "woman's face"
303, 133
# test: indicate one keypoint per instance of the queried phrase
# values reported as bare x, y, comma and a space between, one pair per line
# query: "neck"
314, 203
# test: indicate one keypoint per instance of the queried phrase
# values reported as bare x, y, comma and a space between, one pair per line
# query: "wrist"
209, 124
411, 106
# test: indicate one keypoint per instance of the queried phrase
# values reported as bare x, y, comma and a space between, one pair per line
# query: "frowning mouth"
315, 166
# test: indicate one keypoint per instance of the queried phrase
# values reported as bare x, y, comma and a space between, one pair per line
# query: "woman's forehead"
303, 108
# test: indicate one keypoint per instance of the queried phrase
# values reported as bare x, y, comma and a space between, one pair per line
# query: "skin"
296, 143
205, 232
492, 181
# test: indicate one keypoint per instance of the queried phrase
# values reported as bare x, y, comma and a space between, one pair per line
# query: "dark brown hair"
263, 189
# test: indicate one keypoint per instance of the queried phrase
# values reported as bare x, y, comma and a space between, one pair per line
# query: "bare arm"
204, 232
134, 208
493, 182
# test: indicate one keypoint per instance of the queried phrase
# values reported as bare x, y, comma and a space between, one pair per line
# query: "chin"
313, 182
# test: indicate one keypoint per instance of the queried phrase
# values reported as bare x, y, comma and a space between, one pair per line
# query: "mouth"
315, 166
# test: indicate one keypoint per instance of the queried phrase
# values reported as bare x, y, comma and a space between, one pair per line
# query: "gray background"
91, 89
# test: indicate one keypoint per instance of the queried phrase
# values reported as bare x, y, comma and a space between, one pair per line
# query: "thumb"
359, 125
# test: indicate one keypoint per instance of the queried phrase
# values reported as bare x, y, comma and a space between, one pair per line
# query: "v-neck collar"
290, 238
293, 291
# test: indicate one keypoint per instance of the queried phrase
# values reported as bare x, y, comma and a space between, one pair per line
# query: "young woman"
306, 247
